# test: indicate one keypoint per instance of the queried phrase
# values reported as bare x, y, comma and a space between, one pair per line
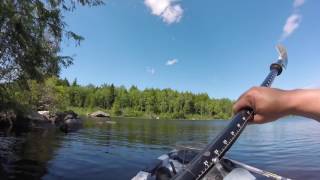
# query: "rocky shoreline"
66, 121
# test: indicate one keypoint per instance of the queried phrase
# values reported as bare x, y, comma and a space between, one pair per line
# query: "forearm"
303, 103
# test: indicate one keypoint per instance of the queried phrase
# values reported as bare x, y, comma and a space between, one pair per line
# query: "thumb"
242, 103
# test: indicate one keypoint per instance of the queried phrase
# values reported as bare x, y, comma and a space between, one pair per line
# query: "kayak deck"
168, 165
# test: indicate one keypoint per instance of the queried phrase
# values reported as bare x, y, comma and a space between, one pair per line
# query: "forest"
56, 94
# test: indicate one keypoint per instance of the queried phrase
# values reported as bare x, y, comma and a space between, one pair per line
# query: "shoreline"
141, 115
146, 118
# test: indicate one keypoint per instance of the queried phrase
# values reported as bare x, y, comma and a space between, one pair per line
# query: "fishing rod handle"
205, 160
270, 78
214, 151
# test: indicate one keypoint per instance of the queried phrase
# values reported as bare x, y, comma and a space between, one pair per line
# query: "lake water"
289, 147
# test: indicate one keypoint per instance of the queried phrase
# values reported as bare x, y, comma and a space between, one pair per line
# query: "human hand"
268, 104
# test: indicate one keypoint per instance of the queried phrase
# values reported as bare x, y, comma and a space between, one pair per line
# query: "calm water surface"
290, 147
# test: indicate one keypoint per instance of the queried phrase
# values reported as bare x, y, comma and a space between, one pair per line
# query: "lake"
288, 147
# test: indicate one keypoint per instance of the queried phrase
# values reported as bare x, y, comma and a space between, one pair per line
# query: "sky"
219, 47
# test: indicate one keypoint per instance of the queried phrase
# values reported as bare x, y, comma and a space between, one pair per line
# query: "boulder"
70, 115
71, 125
36, 117
45, 114
99, 114
68, 121
57, 118
32, 119
60, 117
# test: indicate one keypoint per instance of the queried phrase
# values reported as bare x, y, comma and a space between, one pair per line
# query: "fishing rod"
215, 150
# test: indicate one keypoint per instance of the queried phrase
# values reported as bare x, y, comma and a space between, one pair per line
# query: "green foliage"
116, 108
55, 94
48, 95
132, 102
30, 36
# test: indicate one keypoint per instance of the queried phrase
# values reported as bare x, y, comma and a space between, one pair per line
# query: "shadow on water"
24, 153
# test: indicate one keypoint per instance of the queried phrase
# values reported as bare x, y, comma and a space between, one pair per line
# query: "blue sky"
219, 47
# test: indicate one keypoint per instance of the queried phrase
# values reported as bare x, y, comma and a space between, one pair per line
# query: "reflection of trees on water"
24, 155
129, 132
97, 132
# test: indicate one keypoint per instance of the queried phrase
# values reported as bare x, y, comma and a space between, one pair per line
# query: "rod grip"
271, 76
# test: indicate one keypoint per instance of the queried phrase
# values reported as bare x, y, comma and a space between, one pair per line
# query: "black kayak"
168, 165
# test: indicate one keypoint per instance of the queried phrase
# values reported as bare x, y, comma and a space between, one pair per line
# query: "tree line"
57, 94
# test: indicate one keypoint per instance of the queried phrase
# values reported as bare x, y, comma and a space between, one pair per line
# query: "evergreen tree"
116, 109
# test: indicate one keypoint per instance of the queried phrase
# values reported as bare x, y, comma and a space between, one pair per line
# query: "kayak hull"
168, 165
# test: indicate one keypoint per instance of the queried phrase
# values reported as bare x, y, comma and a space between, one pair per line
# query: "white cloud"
150, 70
298, 3
291, 25
172, 14
169, 11
172, 62
293, 21
157, 6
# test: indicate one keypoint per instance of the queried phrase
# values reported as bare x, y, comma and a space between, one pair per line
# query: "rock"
99, 114
7, 118
59, 118
36, 117
71, 125
70, 114
33, 119
45, 114
67, 121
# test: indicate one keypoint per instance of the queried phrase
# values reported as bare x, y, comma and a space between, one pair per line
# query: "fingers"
246, 100
258, 119
263, 101
242, 103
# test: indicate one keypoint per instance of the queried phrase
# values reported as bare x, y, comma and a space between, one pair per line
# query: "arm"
270, 104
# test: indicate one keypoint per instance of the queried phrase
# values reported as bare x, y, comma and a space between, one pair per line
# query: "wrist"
302, 102
291, 102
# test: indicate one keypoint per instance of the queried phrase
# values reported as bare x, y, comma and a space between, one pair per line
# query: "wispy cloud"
291, 25
150, 70
172, 62
298, 3
293, 21
168, 10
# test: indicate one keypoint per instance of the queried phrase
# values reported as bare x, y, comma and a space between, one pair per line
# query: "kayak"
168, 165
